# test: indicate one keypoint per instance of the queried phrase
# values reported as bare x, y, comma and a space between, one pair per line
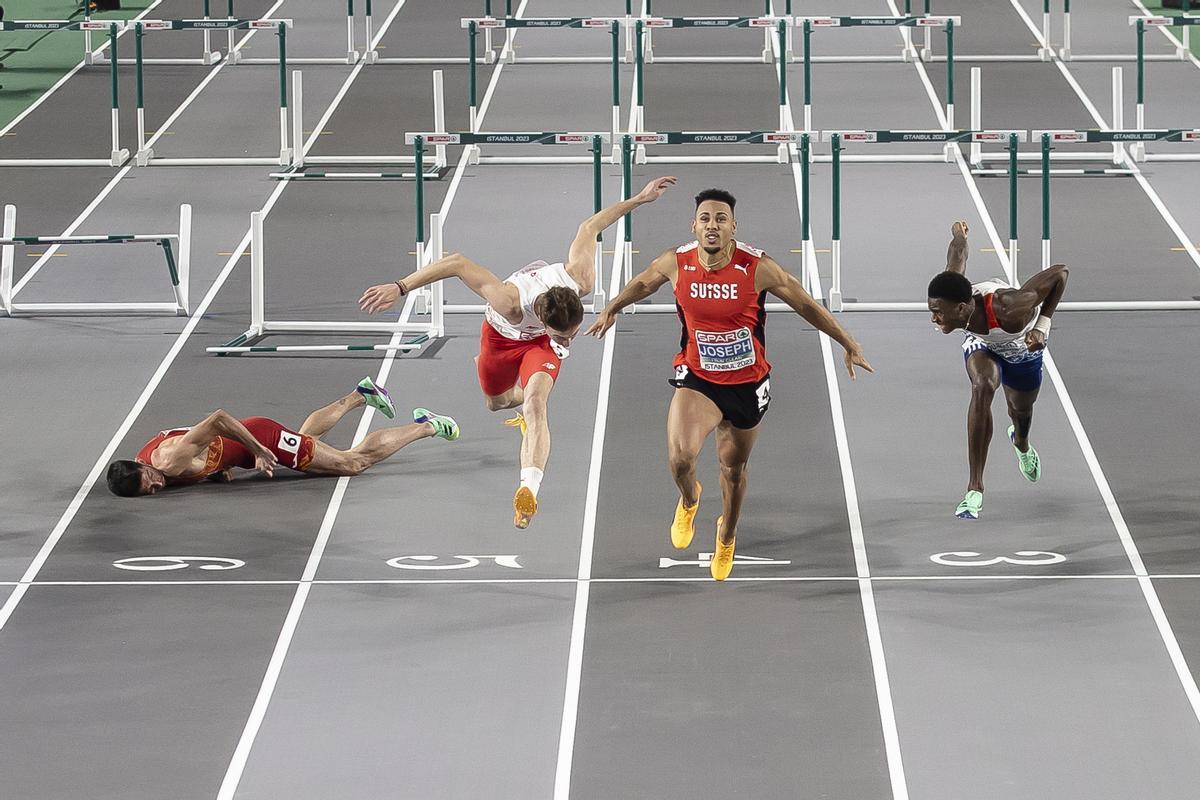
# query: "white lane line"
570, 715
1186, 679
58, 84
106, 455
53, 249
258, 712
879, 671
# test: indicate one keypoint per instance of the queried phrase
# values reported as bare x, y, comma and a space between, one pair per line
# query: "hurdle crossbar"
117, 154
928, 22
1181, 48
178, 266
351, 53
145, 154
596, 142
301, 158
473, 26
261, 326
783, 138
779, 27
837, 140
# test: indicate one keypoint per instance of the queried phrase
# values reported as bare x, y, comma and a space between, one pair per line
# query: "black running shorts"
742, 405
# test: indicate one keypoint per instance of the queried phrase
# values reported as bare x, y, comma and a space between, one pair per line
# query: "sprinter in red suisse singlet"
723, 317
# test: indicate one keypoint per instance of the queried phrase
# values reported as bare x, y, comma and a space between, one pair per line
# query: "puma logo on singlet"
743, 268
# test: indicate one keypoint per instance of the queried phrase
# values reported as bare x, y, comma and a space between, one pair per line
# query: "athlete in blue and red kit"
722, 377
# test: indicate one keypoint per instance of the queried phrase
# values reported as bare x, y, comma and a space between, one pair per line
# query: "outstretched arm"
220, 423
771, 277
956, 253
640, 287
581, 258
501, 296
1045, 289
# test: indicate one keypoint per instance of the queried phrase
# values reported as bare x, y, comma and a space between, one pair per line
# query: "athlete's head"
714, 225
561, 311
950, 300
131, 479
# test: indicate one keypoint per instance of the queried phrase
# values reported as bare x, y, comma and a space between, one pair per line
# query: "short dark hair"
720, 195
561, 308
125, 478
952, 286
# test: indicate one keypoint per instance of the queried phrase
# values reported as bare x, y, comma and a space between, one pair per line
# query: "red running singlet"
294, 450
724, 319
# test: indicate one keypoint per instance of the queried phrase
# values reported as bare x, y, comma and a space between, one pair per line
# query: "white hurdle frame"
351, 57
261, 326
300, 157
1066, 54
180, 267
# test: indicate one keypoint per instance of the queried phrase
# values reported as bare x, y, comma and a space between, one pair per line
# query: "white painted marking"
237, 764
971, 558
704, 561
425, 562
883, 686
570, 715
167, 563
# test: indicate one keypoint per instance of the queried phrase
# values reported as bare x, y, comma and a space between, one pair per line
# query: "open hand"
854, 357
654, 189
379, 298
604, 321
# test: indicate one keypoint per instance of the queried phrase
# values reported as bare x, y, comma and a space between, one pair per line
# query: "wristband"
1043, 325
400, 286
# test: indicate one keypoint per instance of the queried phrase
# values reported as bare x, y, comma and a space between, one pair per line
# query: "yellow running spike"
683, 527
722, 557
524, 507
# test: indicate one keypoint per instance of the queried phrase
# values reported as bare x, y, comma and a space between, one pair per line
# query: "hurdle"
1141, 23
208, 57
783, 138
145, 155
301, 159
117, 155
977, 156
475, 139
178, 268
778, 25
473, 27
948, 24
351, 57
768, 22
1181, 48
950, 138
260, 326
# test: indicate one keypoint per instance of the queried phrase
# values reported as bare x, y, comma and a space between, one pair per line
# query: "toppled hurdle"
178, 268
411, 335
118, 154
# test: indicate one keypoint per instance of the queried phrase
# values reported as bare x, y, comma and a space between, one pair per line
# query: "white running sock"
531, 477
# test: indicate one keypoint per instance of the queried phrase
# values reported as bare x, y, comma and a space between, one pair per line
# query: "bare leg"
690, 419
378, 446
535, 444
320, 421
733, 452
984, 373
1020, 411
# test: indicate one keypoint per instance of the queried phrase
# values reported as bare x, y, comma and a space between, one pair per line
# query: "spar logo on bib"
725, 351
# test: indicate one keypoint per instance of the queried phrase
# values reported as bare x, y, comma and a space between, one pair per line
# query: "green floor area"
1156, 8
33, 61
